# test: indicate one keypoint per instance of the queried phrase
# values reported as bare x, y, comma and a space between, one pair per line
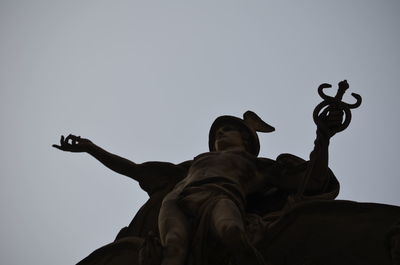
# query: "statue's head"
227, 131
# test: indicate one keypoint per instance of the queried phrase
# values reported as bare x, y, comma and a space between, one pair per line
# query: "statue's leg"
228, 226
174, 231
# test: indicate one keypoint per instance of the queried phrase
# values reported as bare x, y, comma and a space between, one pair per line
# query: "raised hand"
73, 143
336, 114
330, 121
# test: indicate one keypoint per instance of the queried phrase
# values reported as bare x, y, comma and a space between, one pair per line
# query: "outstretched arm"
114, 162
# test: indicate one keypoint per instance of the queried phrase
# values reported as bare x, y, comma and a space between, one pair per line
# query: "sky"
145, 80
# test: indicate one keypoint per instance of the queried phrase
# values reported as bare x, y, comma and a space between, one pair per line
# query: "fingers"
331, 115
69, 137
67, 143
73, 143
63, 145
330, 121
57, 146
324, 113
335, 117
74, 139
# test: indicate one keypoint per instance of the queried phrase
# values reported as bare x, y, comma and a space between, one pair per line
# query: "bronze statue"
227, 205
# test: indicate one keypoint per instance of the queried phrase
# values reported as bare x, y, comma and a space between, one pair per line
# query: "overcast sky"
145, 80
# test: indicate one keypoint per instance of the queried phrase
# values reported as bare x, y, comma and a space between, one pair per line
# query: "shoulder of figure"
162, 176
164, 168
185, 165
265, 160
289, 159
264, 163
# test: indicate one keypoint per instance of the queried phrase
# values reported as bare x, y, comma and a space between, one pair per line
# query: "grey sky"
145, 79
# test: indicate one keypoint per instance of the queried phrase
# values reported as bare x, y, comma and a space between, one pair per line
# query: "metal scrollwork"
335, 103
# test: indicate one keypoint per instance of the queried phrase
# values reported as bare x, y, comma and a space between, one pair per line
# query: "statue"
229, 205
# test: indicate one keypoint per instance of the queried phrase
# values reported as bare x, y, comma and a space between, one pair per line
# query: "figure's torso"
237, 166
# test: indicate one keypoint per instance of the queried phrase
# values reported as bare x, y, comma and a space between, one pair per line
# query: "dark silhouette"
230, 206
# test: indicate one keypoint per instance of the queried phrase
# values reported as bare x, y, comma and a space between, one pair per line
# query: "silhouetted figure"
220, 206
214, 192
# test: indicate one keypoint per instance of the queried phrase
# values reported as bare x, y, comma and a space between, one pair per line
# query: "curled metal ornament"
338, 100
337, 104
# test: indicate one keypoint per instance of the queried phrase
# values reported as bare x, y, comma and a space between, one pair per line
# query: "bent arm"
318, 176
289, 171
314, 176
